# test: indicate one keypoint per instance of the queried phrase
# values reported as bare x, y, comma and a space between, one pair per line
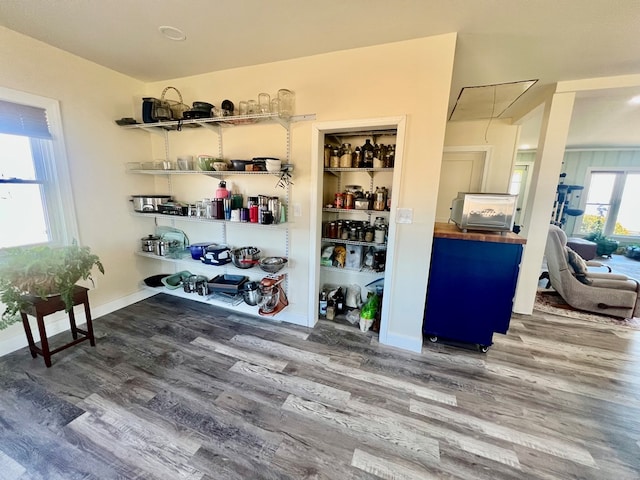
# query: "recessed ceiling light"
635, 100
172, 33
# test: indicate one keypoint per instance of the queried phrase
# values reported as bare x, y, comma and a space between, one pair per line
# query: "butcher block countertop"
451, 230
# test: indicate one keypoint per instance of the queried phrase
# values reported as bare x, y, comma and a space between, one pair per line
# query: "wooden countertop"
451, 230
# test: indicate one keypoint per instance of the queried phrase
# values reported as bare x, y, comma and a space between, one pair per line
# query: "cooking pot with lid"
149, 243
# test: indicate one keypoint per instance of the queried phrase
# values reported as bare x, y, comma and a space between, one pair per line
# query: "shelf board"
231, 121
185, 259
370, 171
211, 173
362, 271
183, 218
353, 242
355, 210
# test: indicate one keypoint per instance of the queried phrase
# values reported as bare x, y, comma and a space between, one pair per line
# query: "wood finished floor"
175, 389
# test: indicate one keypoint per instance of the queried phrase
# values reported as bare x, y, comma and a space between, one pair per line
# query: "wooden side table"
40, 308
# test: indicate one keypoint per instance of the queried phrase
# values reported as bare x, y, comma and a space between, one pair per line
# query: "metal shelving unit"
217, 125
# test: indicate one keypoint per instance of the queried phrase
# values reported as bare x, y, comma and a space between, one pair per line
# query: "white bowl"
273, 165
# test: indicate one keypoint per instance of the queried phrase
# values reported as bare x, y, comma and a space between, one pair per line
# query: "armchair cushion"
578, 265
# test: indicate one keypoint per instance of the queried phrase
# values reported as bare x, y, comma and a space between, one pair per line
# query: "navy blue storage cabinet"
471, 287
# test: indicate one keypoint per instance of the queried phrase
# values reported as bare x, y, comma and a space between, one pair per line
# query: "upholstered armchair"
606, 293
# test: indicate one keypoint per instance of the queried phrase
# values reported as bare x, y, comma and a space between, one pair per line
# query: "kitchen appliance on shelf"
492, 212
274, 299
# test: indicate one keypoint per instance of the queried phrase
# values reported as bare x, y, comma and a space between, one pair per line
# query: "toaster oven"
493, 212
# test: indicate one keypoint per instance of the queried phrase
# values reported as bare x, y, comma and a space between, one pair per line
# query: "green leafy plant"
41, 271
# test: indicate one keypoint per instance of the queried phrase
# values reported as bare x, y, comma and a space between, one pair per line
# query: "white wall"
91, 98
500, 134
415, 82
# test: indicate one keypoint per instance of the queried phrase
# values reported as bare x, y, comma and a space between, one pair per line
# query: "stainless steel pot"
148, 203
148, 243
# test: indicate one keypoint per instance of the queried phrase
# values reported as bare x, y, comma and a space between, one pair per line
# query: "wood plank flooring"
176, 389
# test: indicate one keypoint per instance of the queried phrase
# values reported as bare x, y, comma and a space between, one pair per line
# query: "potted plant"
42, 271
605, 245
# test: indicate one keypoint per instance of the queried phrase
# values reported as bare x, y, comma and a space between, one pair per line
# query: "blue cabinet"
471, 289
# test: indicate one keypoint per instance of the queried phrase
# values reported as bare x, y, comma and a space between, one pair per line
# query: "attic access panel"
488, 101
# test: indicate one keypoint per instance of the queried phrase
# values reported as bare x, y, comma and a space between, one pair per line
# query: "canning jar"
333, 230
348, 200
327, 156
334, 160
339, 201
345, 156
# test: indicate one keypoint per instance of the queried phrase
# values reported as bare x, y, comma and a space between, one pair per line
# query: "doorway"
463, 170
519, 185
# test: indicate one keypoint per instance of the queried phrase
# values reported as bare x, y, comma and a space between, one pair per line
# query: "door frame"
486, 149
318, 132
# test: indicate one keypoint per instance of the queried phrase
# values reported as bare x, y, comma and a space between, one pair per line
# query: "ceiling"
499, 41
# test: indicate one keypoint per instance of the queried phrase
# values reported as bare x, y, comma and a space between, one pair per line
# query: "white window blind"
36, 204
24, 120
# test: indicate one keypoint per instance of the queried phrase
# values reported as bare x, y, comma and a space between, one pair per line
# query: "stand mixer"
274, 299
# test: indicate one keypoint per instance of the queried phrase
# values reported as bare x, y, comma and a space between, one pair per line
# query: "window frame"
615, 200
50, 162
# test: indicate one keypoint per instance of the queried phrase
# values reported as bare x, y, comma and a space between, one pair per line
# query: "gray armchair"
606, 293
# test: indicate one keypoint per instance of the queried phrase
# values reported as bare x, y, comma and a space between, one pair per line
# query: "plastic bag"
370, 308
353, 316
354, 296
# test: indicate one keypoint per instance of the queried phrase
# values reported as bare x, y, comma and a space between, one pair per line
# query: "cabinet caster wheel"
483, 348
433, 338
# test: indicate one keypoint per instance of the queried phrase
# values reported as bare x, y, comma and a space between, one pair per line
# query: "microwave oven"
493, 212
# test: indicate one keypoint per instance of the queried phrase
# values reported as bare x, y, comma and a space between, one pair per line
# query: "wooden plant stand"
40, 308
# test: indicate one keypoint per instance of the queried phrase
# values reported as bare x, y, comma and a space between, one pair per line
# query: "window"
35, 194
612, 201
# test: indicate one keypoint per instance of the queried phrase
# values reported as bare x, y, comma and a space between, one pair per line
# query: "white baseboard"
405, 342
59, 322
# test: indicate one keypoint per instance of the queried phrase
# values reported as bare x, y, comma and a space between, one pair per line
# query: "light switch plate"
404, 215
297, 210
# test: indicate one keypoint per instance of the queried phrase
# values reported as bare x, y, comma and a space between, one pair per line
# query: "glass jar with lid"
380, 232
334, 159
346, 156
380, 198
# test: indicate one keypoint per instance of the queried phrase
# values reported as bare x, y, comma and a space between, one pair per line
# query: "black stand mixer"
274, 299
